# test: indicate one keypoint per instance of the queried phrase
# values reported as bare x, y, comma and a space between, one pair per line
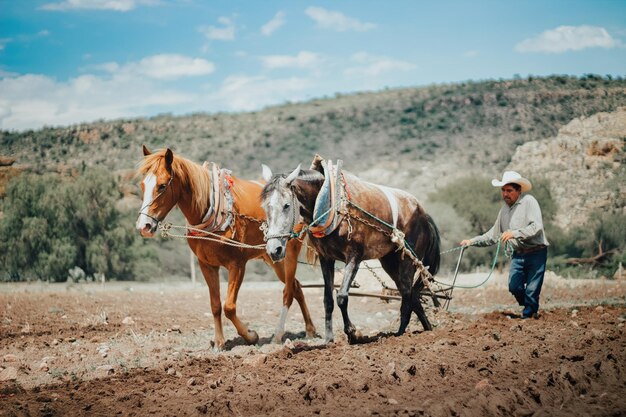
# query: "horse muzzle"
276, 249
147, 231
146, 226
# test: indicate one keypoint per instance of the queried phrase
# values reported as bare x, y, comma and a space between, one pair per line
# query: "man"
519, 224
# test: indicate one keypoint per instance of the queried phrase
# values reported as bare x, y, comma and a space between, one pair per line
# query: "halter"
295, 204
167, 186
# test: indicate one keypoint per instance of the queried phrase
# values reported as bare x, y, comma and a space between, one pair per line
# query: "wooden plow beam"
388, 294
443, 292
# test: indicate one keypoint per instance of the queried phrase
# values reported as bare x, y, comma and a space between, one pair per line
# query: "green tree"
52, 224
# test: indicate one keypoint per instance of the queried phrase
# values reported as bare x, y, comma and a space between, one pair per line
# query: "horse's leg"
328, 271
212, 278
291, 264
397, 270
279, 269
349, 273
405, 313
285, 271
235, 277
419, 309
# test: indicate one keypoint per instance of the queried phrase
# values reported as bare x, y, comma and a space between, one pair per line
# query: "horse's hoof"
217, 347
328, 341
278, 338
355, 337
311, 333
253, 338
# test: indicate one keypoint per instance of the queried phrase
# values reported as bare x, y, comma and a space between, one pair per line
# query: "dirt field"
131, 349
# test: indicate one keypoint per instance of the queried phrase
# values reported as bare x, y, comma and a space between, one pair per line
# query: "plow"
440, 293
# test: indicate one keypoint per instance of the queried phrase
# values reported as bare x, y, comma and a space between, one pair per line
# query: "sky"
64, 62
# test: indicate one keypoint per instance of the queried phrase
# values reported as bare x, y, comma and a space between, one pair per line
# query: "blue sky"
69, 61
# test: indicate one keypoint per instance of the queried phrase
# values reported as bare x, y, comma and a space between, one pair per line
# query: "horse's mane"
272, 185
274, 182
191, 175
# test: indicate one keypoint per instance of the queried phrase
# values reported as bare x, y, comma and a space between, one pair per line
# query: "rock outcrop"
584, 164
7, 171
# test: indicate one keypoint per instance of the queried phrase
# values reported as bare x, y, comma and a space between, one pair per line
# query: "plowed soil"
71, 350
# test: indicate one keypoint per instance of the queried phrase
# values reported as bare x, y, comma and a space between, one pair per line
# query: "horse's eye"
286, 206
162, 187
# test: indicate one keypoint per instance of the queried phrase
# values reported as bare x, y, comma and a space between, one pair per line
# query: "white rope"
165, 232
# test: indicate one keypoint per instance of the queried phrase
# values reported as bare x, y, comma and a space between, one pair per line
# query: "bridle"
167, 186
295, 216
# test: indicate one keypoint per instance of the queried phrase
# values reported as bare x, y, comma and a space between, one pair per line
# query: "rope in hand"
508, 251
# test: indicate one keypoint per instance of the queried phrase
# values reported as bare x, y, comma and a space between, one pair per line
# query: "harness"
167, 186
219, 214
335, 195
331, 203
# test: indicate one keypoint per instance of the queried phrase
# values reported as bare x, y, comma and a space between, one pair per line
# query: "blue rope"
493, 267
508, 250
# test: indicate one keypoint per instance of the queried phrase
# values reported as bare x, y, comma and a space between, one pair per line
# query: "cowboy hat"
515, 178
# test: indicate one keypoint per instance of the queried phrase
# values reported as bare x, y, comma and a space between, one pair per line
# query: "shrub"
52, 224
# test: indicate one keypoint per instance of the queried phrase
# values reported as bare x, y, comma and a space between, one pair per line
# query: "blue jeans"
526, 278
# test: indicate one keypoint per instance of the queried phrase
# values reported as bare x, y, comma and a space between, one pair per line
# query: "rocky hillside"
415, 138
585, 164
7, 171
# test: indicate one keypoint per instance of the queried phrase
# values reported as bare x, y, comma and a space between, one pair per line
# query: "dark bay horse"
357, 238
172, 180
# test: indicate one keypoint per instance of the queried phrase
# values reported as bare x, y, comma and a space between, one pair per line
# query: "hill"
417, 138
566, 130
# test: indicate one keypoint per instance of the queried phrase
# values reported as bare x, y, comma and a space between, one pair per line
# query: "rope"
399, 239
493, 266
165, 232
452, 250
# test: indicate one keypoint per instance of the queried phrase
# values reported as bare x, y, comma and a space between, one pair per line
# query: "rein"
295, 216
200, 231
395, 235
167, 186
210, 236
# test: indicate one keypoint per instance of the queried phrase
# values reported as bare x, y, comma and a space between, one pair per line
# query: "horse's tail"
425, 234
432, 257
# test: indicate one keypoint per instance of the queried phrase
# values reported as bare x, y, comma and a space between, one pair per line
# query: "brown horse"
360, 235
172, 180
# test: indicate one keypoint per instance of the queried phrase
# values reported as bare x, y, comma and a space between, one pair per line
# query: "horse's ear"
146, 151
169, 157
291, 177
267, 173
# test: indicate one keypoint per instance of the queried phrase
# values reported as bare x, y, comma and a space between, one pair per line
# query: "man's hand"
466, 242
508, 235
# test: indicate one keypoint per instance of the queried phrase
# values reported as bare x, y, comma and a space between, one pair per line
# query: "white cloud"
243, 93
471, 53
372, 65
158, 67
171, 67
4, 73
117, 5
31, 101
277, 21
329, 19
304, 59
568, 38
224, 33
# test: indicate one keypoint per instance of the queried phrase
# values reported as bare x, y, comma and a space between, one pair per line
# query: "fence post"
192, 264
